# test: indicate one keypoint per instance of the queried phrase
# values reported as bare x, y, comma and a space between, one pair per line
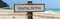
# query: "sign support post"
30, 15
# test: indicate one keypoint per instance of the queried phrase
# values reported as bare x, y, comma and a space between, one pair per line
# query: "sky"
49, 4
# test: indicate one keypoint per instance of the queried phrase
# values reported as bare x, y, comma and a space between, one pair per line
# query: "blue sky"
49, 4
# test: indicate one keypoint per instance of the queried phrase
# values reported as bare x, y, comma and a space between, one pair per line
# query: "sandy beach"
6, 14
6, 11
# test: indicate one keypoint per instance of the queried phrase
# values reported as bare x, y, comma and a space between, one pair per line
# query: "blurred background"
53, 5
49, 4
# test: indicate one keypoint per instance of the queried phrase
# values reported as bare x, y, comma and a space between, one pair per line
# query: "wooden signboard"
29, 7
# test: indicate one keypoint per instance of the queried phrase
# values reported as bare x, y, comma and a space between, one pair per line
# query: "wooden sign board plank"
29, 7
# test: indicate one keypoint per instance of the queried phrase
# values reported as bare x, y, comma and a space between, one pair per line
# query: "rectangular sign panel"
27, 8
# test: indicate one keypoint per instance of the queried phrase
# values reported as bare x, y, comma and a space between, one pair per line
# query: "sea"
53, 10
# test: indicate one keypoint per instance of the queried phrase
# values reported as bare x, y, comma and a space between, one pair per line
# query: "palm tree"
3, 4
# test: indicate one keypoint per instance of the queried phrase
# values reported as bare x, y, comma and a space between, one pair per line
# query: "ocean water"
54, 10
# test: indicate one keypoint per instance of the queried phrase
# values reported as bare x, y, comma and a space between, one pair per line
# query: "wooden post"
30, 15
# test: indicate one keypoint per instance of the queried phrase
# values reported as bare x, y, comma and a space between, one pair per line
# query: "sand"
2, 11
7, 14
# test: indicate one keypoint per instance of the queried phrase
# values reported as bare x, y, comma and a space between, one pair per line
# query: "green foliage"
3, 4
